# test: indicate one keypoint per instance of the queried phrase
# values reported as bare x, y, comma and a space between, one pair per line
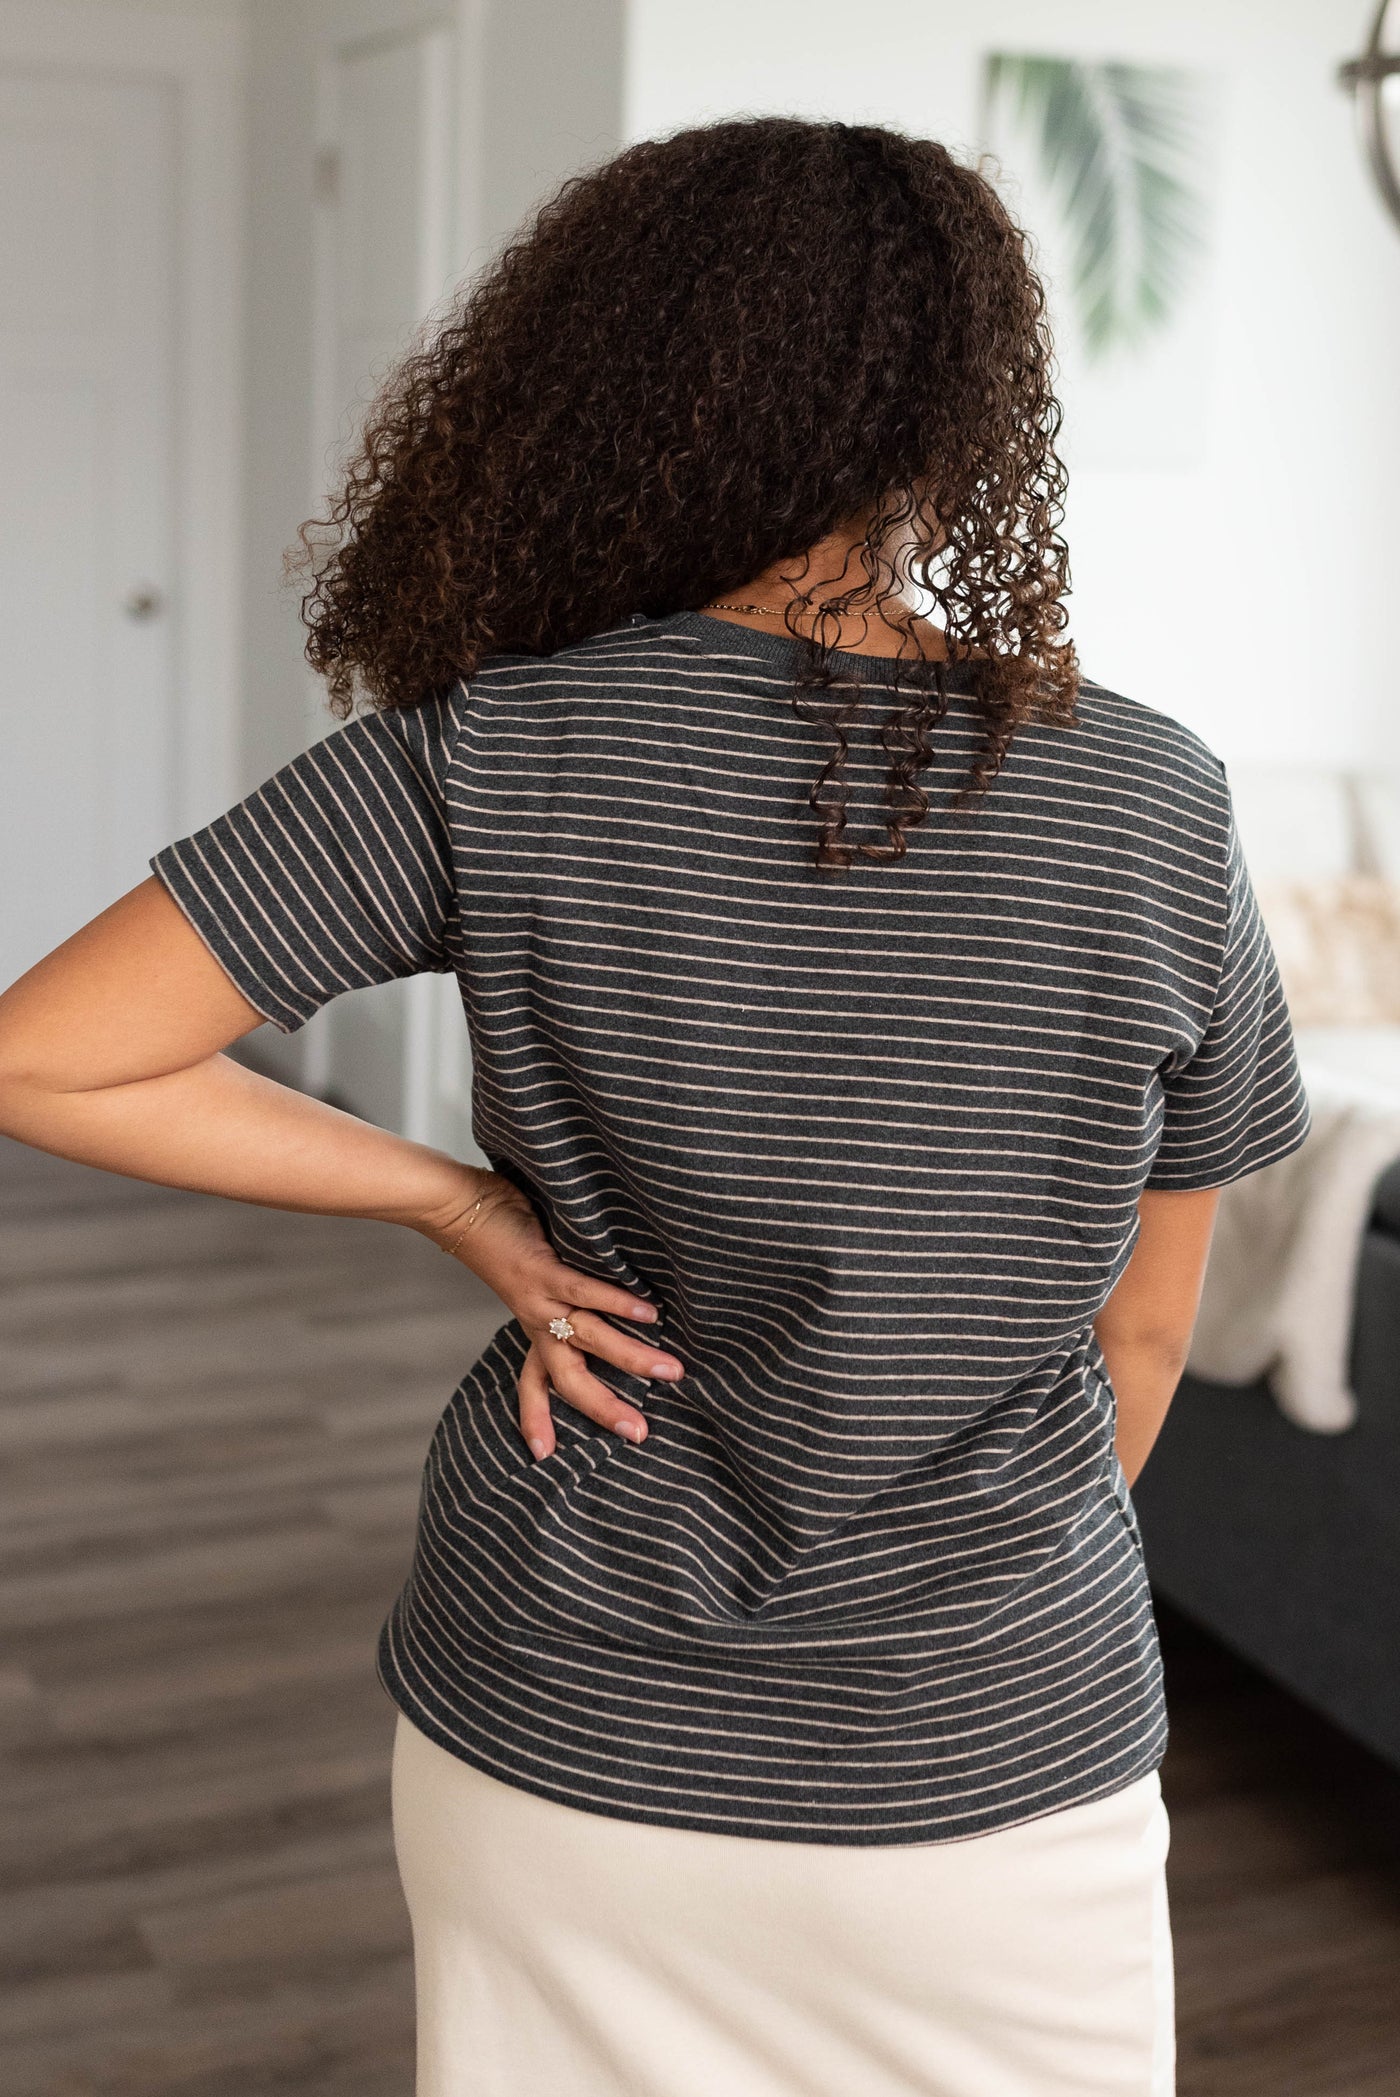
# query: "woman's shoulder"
1140, 749
629, 640
1131, 725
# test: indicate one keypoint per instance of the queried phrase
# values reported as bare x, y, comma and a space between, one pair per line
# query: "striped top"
873, 1143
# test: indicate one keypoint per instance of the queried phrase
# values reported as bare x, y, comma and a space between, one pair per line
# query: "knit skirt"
561, 1953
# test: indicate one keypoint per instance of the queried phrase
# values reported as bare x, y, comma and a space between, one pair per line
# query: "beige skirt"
564, 1954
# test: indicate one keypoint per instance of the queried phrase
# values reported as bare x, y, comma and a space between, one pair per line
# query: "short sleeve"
333, 875
1236, 1102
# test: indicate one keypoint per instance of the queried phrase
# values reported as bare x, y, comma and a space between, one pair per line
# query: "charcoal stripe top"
873, 1142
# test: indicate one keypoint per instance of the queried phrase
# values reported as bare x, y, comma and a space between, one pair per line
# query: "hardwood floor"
1285, 1880
211, 1432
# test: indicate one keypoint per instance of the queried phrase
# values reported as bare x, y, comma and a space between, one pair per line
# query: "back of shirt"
872, 1141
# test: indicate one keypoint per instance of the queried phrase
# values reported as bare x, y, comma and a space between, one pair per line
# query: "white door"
87, 274
388, 185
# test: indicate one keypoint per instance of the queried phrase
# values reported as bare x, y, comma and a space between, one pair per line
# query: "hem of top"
1208, 1182
392, 1682
167, 880
726, 637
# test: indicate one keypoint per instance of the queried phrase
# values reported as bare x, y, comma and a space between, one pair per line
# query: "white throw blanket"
1281, 1281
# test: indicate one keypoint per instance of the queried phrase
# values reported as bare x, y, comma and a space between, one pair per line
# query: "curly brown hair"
700, 360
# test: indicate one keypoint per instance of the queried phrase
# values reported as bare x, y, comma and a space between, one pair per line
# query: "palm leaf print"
1116, 146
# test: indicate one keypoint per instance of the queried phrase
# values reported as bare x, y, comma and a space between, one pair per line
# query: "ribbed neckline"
724, 637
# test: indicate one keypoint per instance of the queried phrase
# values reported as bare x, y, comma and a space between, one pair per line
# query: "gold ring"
561, 1328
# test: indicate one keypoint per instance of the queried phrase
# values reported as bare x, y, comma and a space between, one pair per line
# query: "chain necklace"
764, 611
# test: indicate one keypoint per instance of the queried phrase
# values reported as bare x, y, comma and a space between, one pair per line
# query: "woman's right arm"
110, 1053
1144, 1329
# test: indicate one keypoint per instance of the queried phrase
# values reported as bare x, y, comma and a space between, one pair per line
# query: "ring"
561, 1328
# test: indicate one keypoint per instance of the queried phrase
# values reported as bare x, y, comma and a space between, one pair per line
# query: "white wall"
550, 105
1249, 593
278, 353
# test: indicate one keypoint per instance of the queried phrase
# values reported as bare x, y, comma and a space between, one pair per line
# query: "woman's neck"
830, 569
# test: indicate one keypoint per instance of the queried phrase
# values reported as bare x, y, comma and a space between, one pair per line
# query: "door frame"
348, 26
200, 55
345, 27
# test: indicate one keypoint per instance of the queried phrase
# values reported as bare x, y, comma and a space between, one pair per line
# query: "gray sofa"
1286, 1544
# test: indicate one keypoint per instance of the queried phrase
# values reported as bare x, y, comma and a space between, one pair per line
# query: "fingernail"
540, 1448
635, 1430
670, 1370
642, 1310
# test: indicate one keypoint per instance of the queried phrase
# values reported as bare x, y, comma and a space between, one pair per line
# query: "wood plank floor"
211, 1433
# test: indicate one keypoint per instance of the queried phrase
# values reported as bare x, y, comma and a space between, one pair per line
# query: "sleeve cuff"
1196, 1175
277, 1010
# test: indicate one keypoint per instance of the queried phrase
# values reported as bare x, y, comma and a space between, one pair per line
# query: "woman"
864, 1013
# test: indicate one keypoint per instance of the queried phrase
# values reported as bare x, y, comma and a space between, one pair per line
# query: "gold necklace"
764, 611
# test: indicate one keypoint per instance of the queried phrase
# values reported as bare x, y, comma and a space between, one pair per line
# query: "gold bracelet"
469, 1222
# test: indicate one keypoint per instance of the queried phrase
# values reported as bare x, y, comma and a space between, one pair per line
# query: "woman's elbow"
1152, 1346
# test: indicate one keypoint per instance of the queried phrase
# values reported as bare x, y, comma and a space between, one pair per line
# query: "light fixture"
1366, 77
